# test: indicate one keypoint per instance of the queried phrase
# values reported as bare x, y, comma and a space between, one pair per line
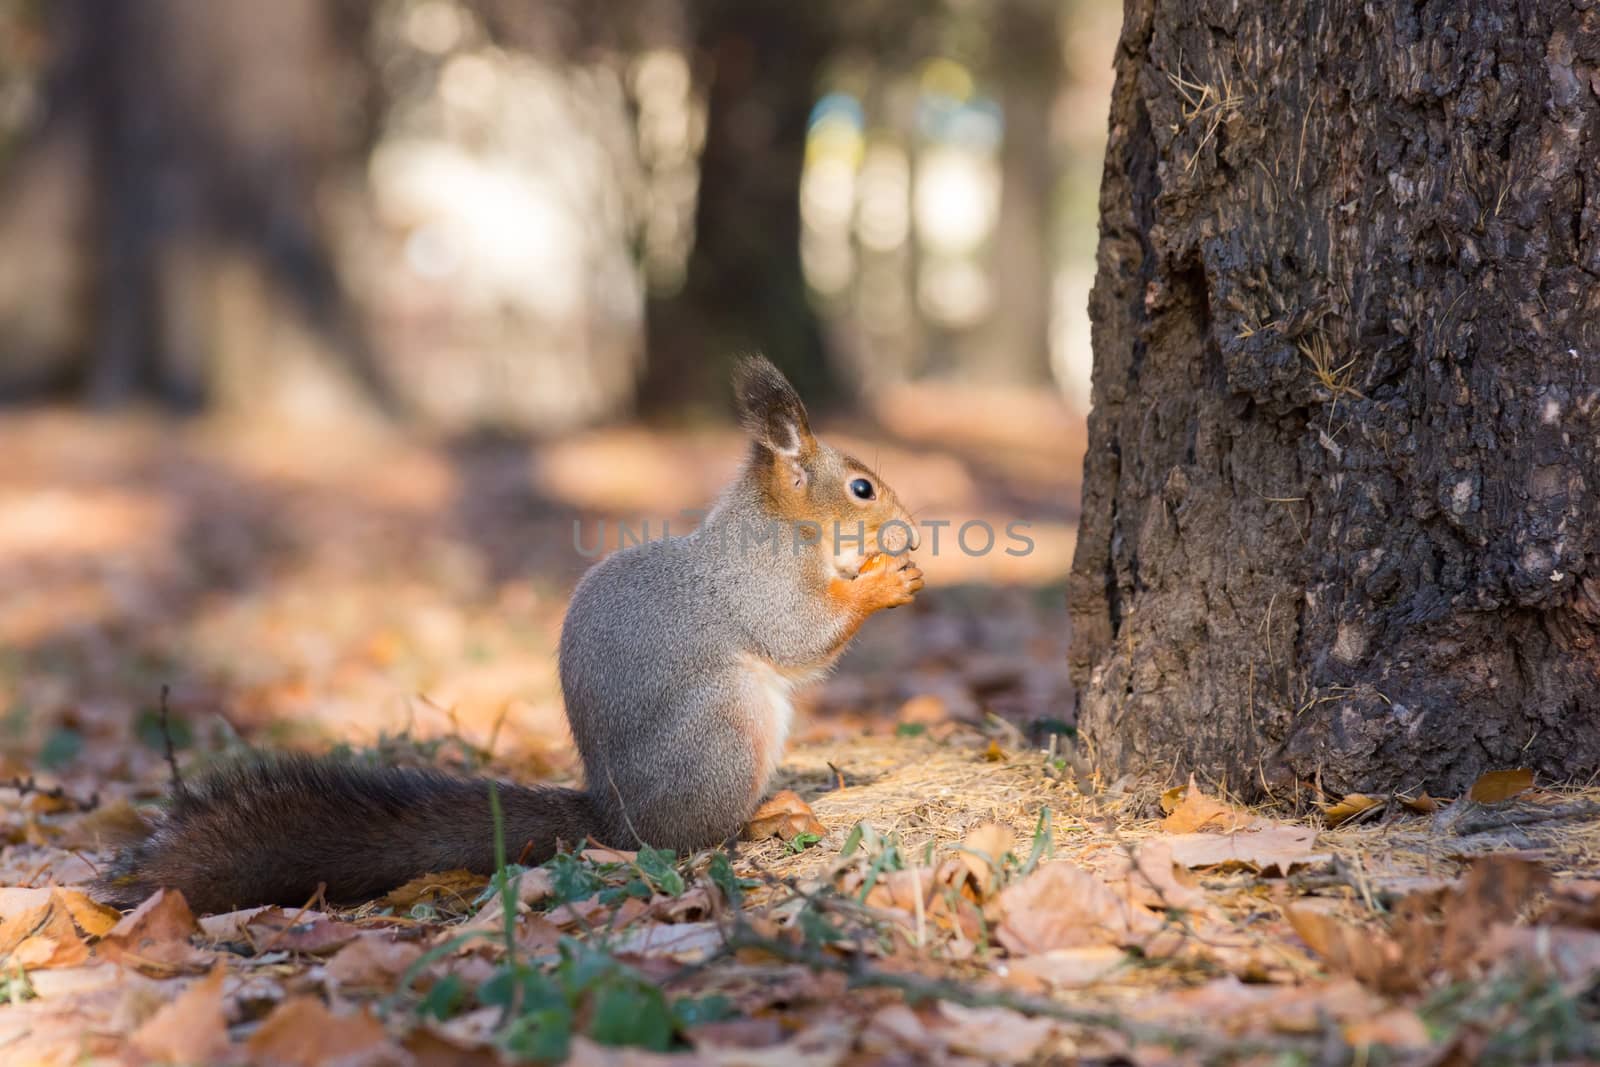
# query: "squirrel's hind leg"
693, 786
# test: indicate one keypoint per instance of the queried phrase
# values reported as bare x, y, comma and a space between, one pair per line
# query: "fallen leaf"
741, 1034
1235, 1007
455, 889
310, 932
230, 925
154, 937
1422, 803
532, 886
1347, 948
22, 911
608, 855
585, 1053
982, 852
1277, 846
1568, 954
1172, 798
1196, 810
785, 816
92, 917
54, 941
1496, 786
188, 1029
1072, 968
372, 961
301, 1032
1573, 902
1149, 876
466, 1032
1399, 1028
992, 1034
583, 913
822, 1044
1494, 891
924, 709
1061, 905
683, 942
1351, 806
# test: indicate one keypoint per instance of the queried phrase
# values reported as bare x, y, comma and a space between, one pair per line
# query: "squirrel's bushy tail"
270, 831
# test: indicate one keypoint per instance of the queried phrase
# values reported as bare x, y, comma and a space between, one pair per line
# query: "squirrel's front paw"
888, 581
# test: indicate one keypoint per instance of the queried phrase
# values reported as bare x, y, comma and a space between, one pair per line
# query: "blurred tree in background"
536, 215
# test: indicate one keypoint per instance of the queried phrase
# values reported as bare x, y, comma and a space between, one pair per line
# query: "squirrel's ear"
770, 410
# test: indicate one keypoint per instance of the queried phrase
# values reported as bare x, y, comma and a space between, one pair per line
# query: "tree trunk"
745, 290
1340, 516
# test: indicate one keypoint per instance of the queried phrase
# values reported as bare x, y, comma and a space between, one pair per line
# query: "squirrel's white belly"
773, 689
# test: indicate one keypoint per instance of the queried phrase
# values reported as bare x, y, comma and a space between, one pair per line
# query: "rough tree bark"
1341, 521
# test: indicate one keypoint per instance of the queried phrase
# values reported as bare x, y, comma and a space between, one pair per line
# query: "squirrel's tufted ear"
770, 410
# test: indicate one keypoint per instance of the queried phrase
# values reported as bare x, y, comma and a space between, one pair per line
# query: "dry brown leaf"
994, 1035
683, 942
301, 1032
469, 1031
1570, 955
1267, 846
1149, 876
1235, 1007
154, 937
1362, 953
608, 855
532, 886
455, 888
92, 917
982, 852
1061, 905
785, 816
54, 941
1573, 902
311, 932
1399, 1028
730, 1034
1496, 786
1072, 968
581, 913
229, 926
924, 709
188, 1029
1196, 811
1494, 891
1172, 798
22, 911
372, 961
1349, 807
586, 1053
1422, 803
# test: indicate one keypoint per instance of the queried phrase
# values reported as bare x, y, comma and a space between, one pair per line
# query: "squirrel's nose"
915, 539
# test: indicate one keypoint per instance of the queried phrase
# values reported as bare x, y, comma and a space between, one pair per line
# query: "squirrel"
678, 660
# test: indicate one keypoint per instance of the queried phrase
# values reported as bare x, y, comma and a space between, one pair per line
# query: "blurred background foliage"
533, 217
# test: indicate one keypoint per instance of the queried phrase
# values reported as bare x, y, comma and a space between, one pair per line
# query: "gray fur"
676, 659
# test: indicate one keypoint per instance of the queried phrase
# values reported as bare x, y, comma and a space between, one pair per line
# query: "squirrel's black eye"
861, 489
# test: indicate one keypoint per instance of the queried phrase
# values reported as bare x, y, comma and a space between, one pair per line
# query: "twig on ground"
1479, 819
178, 788
25, 786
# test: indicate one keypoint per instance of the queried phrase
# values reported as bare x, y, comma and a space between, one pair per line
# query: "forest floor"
966, 893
